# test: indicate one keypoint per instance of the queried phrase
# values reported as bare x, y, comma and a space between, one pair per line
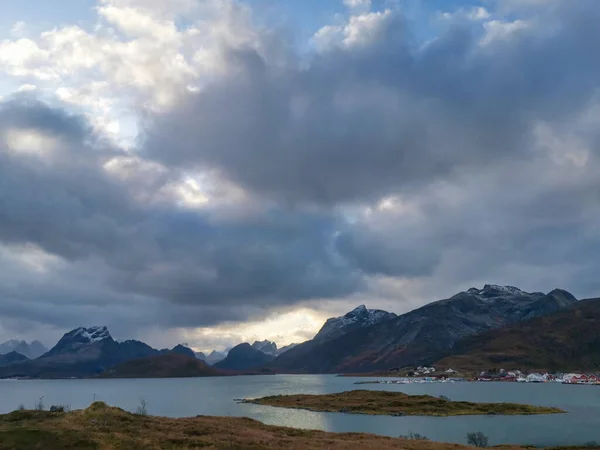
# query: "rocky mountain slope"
360, 317
567, 340
285, 348
422, 336
243, 357
30, 350
267, 347
79, 353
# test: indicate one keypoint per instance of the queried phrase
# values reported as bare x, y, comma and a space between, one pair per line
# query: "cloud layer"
265, 178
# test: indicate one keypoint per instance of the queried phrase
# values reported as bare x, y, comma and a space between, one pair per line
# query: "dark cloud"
356, 124
455, 163
67, 203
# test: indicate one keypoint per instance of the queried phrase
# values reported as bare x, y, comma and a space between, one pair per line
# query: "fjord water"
215, 396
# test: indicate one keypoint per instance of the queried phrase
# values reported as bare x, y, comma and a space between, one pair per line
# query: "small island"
396, 404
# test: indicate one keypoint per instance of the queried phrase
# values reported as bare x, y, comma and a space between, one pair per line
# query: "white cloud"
30, 141
498, 30
358, 4
358, 30
479, 13
475, 14
27, 88
135, 58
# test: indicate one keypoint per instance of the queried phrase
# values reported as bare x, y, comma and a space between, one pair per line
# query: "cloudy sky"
215, 171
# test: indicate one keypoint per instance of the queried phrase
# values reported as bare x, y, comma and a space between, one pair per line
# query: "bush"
142, 410
443, 397
414, 437
477, 439
592, 444
21, 407
60, 408
39, 406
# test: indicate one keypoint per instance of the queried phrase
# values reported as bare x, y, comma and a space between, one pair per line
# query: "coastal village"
426, 374
520, 377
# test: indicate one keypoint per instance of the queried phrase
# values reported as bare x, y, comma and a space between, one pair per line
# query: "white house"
536, 378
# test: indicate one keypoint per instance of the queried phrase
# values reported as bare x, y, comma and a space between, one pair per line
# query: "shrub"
21, 407
443, 397
60, 408
592, 444
142, 409
39, 406
477, 439
414, 437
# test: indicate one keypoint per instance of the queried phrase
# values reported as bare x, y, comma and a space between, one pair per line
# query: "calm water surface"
214, 396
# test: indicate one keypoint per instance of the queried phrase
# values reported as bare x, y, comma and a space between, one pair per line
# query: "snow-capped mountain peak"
91, 334
494, 290
359, 317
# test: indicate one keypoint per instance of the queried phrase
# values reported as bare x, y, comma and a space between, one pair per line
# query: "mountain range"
421, 336
32, 350
477, 328
85, 352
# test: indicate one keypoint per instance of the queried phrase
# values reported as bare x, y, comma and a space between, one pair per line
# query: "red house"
580, 379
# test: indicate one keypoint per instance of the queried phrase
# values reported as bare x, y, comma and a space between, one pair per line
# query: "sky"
219, 171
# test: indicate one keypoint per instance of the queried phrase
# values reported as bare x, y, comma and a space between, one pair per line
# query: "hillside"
424, 335
568, 340
12, 358
104, 427
243, 357
162, 366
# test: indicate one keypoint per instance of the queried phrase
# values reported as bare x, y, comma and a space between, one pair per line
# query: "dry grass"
105, 428
397, 403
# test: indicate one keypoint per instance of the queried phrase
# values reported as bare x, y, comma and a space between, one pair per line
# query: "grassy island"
101, 427
397, 404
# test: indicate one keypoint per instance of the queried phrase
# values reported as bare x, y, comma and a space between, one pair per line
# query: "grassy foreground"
397, 403
101, 427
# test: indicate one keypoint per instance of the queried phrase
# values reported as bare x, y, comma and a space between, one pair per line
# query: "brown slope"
170, 365
107, 428
567, 340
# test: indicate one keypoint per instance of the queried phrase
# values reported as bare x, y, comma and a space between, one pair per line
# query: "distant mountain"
31, 351
359, 317
567, 340
421, 336
11, 358
84, 352
215, 356
171, 365
183, 350
201, 356
243, 357
267, 347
